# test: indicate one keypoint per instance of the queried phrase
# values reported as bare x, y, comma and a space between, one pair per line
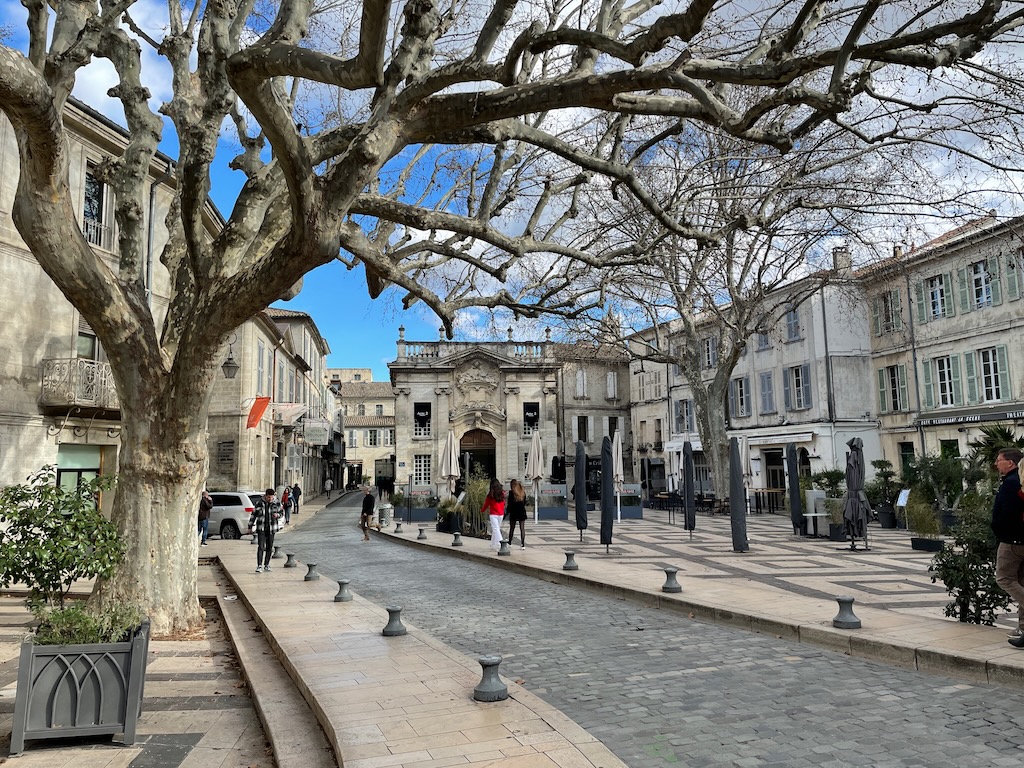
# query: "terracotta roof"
290, 313
351, 422
366, 390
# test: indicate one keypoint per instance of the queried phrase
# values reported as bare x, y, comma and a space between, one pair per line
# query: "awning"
286, 414
799, 437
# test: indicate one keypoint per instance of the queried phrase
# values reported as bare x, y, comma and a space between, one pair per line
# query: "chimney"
897, 251
841, 260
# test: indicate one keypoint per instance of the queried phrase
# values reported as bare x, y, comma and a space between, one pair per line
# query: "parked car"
229, 517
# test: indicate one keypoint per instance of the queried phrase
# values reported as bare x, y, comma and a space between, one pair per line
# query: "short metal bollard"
398, 526
457, 539
503, 550
277, 553
343, 595
423, 532
570, 562
394, 627
671, 585
490, 688
290, 562
845, 619
311, 574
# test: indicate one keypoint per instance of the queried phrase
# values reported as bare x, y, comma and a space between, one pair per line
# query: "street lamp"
230, 367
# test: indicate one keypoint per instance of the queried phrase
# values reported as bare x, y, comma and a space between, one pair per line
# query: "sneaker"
203, 544
1016, 642
523, 547
266, 568
1015, 633
259, 569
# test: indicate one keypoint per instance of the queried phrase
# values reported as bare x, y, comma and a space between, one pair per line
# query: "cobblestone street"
662, 690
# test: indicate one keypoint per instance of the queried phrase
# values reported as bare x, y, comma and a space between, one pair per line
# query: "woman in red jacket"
494, 506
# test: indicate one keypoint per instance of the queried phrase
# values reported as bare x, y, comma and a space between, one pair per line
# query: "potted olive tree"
923, 521
831, 481
881, 492
81, 672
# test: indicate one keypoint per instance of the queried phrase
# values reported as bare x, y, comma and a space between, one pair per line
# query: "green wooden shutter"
881, 391
926, 377
1004, 373
1013, 277
876, 315
948, 305
966, 292
901, 373
992, 265
922, 309
807, 384
971, 374
954, 370
897, 309
787, 374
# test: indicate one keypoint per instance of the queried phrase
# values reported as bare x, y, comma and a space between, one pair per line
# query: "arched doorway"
479, 446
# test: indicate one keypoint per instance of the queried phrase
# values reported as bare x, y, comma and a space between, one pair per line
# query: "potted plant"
881, 492
82, 671
449, 516
831, 481
923, 521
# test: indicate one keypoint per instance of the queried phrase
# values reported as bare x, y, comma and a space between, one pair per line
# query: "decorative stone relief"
476, 378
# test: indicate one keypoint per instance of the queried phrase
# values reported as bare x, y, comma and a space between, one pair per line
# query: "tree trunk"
162, 465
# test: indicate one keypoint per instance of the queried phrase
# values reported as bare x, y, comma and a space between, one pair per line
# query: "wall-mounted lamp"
230, 367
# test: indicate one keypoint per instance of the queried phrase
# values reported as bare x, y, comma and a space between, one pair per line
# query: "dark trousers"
204, 530
264, 547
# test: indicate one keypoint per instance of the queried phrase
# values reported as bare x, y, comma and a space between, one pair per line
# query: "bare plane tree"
447, 148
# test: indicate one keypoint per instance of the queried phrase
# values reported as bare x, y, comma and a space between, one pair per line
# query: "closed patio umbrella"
856, 507
795, 507
618, 473
607, 491
737, 502
689, 497
535, 469
449, 468
580, 489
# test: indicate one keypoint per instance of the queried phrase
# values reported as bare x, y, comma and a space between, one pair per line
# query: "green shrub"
831, 481
921, 515
77, 623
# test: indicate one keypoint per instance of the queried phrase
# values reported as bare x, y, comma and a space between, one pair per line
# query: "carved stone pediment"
477, 378
475, 406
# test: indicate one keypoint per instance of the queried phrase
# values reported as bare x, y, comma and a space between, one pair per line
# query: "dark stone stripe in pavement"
165, 750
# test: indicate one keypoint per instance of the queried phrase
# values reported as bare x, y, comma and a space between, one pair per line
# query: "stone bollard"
457, 540
490, 688
423, 533
290, 562
398, 526
277, 553
343, 595
394, 627
311, 574
845, 618
570, 562
503, 550
671, 585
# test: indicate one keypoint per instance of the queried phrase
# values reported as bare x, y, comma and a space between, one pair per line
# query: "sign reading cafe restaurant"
970, 418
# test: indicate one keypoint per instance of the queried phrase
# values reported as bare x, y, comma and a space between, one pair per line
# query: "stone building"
368, 414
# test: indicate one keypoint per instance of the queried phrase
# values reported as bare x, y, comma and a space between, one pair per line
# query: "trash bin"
384, 514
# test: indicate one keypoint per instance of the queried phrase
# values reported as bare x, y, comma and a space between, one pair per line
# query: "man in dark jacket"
1008, 526
264, 522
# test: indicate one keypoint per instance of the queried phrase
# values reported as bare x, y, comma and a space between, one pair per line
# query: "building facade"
368, 414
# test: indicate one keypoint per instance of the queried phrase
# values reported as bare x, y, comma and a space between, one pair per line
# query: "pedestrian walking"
328, 484
494, 506
205, 505
296, 495
265, 522
517, 512
1008, 526
366, 520
286, 504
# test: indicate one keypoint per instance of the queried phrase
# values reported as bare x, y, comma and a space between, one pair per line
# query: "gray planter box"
79, 690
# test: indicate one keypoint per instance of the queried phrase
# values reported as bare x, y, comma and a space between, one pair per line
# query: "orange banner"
256, 412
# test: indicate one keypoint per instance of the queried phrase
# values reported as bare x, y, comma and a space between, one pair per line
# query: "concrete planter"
922, 544
79, 690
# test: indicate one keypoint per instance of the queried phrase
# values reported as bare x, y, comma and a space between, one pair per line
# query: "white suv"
229, 517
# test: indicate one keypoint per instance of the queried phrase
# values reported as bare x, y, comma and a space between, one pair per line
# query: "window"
581, 384
361, 410
906, 457
980, 284
949, 449
892, 389
657, 435
684, 416
389, 436
613, 425
352, 439
641, 386
944, 373
641, 434
763, 341
291, 387
86, 346
739, 396
886, 313
793, 325
531, 418
357, 377
93, 211
796, 387
280, 379
767, 386
987, 373
582, 433
710, 350
612, 384
372, 438
378, 410
421, 419
656, 385
421, 469
935, 298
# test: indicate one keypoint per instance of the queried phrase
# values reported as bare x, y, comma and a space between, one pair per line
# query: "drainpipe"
913, 359
829, 396
151, 236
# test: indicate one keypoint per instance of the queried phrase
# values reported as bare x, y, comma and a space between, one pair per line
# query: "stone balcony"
78, 382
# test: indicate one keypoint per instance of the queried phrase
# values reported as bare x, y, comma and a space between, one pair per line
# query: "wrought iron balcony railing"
78, 381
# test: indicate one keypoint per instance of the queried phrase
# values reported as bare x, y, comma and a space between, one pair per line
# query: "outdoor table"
814, 520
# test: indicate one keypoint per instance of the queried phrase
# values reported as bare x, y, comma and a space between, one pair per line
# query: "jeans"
264, 547
1010, 574
288, 512
204, 530
495, 531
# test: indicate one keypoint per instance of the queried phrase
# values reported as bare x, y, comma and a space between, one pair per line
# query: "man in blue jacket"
1008, 526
